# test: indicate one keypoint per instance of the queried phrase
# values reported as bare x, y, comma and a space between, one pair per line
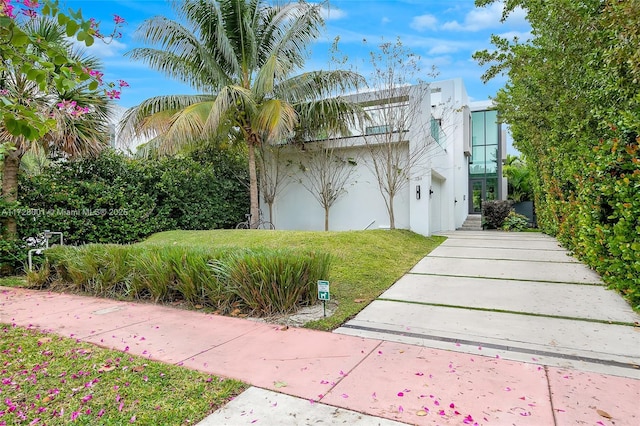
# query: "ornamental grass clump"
261, 281
272, 282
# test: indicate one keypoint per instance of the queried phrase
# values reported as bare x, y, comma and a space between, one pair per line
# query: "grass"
365, 263
48, 379
17, 281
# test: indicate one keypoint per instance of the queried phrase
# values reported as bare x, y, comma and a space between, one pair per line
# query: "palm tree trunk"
10, 191
253, 187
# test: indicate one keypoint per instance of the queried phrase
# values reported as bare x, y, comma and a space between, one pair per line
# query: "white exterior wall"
361, 205
443, 171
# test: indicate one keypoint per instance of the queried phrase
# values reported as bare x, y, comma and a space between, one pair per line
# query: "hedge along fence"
259, 282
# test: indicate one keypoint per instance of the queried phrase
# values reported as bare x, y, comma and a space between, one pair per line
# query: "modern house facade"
446, 151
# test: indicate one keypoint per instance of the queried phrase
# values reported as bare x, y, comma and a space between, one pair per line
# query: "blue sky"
444, 33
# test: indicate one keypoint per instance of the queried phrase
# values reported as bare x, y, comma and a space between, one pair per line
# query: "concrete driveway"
517, 296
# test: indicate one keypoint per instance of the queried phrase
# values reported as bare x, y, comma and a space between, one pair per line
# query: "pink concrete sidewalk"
409, 384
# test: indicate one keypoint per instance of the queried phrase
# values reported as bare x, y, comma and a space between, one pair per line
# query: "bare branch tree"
327, 172
395, 114
274, 176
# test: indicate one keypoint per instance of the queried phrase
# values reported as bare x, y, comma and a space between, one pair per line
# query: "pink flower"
400, 394
74, 415
468, 420
123, 83
118, 19
452, 405
96, 74
30, 13
114, 94
87, 398
7, 9
100, 413
33, 4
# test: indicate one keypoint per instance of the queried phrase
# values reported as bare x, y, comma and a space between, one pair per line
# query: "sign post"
323, 294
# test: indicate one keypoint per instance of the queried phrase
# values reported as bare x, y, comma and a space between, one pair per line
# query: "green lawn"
366, 263
48, 379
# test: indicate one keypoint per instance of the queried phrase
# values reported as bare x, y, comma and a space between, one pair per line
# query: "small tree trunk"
10, 192
271, 212
253, 187
392, 217
326, 218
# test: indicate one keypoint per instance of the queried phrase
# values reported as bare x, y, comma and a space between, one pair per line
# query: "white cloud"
332, 13
444, 48
522, 36
385, 20
424, 22
103, 50
486, 17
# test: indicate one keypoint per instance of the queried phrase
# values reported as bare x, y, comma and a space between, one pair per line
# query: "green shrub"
262, 282
515, 222
116, 199
13, 255
494, 213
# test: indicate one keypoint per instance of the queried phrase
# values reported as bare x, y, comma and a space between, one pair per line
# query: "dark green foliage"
13, 254
573, 107
114, 199
262, 282
518, 179
494, 213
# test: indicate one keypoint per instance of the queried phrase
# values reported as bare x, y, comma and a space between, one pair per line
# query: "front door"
477, 193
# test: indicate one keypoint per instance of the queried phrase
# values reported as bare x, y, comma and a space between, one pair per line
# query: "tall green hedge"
573, 104
116, 199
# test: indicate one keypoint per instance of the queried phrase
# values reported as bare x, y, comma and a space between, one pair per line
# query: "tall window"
484, 145
484, 181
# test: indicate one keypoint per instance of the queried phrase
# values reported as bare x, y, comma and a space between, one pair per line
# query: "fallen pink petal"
400, 394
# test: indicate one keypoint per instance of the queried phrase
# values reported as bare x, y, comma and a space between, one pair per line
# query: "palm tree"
241, 55
74, 133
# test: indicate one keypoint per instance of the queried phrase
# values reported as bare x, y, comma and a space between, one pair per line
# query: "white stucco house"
448, 151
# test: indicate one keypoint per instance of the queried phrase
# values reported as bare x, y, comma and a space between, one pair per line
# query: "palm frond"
230, 98
275, 119
154, 116
318, 85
